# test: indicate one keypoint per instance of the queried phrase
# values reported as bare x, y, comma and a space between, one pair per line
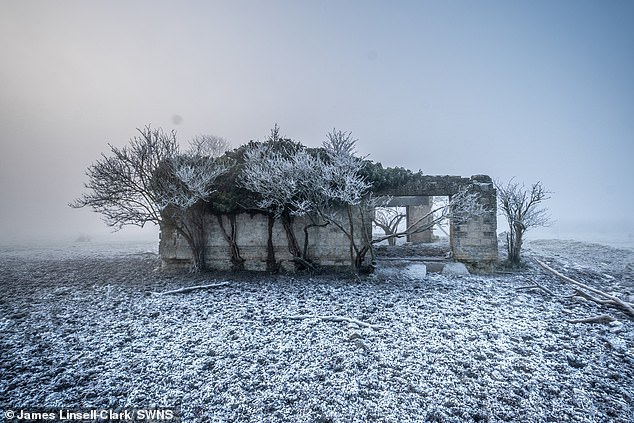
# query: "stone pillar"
475, 240
414, 214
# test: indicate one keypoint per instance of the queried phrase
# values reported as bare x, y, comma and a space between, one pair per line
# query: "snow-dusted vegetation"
93, 330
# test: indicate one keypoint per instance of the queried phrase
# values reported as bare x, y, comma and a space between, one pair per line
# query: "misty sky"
540, 90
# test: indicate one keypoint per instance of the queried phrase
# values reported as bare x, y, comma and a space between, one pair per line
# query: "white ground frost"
90, 331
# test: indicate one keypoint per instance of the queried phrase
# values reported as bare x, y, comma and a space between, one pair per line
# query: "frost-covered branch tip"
189, 180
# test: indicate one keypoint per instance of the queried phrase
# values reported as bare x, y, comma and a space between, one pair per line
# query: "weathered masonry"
473, 241
328, 246
258, 236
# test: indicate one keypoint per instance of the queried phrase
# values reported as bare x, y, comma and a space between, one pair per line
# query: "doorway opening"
412, 228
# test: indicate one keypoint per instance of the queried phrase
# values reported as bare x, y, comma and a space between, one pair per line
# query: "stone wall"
327, 246
475, 241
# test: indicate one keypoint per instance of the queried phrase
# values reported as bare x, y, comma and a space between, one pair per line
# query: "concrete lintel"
408, 200
429, 185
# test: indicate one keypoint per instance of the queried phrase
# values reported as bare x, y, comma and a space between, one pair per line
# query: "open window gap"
431, 241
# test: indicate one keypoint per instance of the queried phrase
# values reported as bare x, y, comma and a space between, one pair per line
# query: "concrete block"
415, 271
455, 269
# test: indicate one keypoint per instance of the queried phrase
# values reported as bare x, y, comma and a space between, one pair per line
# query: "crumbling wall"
475, 241
327, 246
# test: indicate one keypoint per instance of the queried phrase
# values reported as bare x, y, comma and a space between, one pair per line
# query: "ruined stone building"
259, 237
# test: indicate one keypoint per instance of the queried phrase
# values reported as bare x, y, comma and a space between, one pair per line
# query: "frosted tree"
281, 171
150, 181
185, 183
208, 145
342, 171
271, 173
292, 181
342, 185
522, 209
388, 219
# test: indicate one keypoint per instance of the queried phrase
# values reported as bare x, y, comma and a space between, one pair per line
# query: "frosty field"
87, 327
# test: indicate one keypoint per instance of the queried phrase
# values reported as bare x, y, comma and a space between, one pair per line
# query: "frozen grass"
89, 331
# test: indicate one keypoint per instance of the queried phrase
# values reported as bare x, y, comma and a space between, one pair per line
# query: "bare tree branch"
617, 301
194, 288
121, 186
